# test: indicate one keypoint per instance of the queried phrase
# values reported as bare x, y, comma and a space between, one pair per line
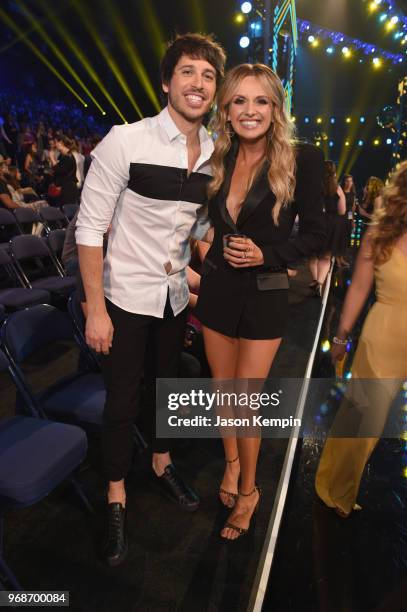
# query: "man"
148, 180
6, 200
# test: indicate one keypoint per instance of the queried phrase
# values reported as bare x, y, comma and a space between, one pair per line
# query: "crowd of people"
153, 185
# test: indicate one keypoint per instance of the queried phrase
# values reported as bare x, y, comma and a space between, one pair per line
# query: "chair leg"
139, 441
4, 568
79, 490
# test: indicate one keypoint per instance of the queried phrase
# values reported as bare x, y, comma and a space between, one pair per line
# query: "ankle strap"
248, 494
232, 460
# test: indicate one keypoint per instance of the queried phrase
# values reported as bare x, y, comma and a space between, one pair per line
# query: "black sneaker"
173, 487
115, 546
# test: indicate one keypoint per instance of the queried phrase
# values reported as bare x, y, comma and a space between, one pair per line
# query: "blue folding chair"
37, 268
36, 456
8, 228
70, 210
76, 398
56, 240
26, 218
14, 298
53, 218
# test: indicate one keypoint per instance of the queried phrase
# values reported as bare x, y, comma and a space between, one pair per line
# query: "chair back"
69, 210
26, 217
31, 329
53, 218
8, 225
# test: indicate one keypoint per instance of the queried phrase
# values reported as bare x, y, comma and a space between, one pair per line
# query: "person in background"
349, 190
13, 180
335, 209
371, 197
80, 163
64, 171
380, 362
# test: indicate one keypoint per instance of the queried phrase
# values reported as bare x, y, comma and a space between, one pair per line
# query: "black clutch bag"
272, 280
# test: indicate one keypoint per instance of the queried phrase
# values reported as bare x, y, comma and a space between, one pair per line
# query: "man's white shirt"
138, 183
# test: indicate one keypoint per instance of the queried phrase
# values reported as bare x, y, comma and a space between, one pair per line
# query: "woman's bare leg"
313, 267
221, 353
324, 263
255, 358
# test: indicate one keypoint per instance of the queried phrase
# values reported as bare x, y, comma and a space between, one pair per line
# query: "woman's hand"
338, 352
243, 253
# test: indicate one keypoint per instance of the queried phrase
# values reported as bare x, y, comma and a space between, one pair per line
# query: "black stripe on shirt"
168, 183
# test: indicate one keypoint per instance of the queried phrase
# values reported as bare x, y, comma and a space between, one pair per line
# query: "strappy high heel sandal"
241, 530
232, 496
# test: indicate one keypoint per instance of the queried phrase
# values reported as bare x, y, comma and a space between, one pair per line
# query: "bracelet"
340, 342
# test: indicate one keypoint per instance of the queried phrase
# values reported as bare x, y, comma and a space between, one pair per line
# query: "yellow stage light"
348, 119
315, 43
376, 142
70, 42
390, 25
347, 143
373, 6
37, 25
318, 143
88, 22
239, 18
10, 23
319, 119
377, 62
133, 55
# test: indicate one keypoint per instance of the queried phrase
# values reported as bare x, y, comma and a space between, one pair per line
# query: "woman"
349, 190
371, 197
32, 166
261, 180
381, 351
13, 180
335, 208
64, 171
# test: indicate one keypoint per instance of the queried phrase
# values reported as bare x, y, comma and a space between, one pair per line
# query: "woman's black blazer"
255, 220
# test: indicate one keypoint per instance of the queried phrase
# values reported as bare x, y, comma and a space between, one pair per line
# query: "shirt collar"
172, 131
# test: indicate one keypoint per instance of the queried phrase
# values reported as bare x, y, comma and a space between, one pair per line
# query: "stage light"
325, 346
318, 143
70, 42
332, 119
394, 19
362, 119
376, 142
346, 51
244, 42
311, 39
246, 7
40, 55
373, 6
306, 119
294, 118
383, 17
133, 55
347, 143
88, 22
331, 143
27, 13
315, 43
390, 25
377, 62
319, 119
389, 141
330, 50
348, 119
239, 18
360, 143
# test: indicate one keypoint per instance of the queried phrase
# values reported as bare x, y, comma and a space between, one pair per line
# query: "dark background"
325, 85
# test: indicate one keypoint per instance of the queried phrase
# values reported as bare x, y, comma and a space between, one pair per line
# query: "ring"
244, 255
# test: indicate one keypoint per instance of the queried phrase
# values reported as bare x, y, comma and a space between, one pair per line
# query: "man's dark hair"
198, 46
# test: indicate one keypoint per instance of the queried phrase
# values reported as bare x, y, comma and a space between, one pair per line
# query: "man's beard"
184, 114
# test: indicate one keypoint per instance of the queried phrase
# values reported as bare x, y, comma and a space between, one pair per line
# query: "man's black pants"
141, 343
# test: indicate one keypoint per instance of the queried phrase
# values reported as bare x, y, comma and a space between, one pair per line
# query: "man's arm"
7, 201
106, 179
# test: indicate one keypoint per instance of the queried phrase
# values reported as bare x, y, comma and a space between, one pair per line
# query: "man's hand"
99, 332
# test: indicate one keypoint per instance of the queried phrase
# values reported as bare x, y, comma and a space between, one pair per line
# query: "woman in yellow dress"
381, 353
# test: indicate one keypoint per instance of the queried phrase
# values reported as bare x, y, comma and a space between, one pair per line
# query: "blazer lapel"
223, 192
255, 196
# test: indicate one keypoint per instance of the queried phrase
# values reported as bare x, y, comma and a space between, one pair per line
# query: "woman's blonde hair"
390, 218
373, 189
280, 151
